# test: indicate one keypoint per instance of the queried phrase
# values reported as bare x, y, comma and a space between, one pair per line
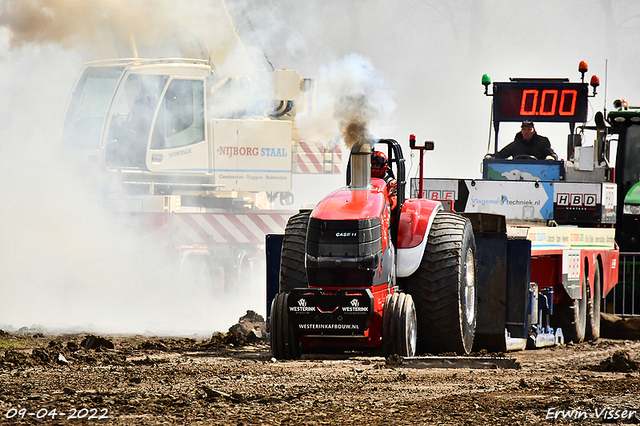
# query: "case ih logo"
576, 200
346, 234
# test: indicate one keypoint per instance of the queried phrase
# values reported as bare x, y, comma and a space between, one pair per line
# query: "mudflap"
519, 316
273, 249
503, 318
491, 255
315, 312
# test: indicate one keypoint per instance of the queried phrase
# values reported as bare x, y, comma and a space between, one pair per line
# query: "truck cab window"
180, 120
631, 173
88, 107
131, 120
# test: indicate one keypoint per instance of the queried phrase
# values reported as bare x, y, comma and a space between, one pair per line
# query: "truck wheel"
238, 274
284, 343
187, 273
444, 287
242, 276
593, 308
204, 278
399, 334
292, 271
572, 317
196, 276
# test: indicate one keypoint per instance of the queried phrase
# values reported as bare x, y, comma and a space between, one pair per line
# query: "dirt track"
225, 380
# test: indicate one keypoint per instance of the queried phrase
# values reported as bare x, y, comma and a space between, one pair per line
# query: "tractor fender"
416, 218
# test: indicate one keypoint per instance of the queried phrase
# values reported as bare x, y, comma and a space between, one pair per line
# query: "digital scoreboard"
540, 101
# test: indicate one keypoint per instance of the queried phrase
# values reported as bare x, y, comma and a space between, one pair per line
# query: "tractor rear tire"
593, 308
444, 287
399, 335
292, 271
572, 317
284, 343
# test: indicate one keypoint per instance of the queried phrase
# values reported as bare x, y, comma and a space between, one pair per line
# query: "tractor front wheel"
444, 287
284, 343
399, 334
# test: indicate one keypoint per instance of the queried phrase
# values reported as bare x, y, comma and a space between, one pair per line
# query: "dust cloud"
411, 67
434, 52
108, 29
353, 100
68, 263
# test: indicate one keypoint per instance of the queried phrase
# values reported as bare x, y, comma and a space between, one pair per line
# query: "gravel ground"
231, 379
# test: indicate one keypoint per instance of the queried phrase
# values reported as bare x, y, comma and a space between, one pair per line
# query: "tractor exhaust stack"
361, 165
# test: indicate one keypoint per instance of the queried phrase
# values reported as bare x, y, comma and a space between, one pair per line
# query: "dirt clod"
619, 361
94, 342
615, 327
394, 361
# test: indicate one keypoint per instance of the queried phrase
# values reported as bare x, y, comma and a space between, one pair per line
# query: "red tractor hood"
347, 204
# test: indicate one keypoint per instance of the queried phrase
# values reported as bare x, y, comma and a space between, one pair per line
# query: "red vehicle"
564, 214
525, 261
355, 273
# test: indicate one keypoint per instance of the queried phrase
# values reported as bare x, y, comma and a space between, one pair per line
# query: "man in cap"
528, 142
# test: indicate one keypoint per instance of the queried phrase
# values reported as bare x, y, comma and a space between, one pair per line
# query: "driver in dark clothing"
528, 142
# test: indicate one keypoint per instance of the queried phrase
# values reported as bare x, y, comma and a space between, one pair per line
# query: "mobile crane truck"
484, 263
173, 144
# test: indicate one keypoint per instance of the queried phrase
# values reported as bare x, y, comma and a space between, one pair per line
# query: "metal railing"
624, 299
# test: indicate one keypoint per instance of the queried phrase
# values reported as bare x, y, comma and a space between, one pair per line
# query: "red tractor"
363, 271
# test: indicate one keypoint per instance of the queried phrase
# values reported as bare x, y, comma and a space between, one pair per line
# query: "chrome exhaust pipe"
361, 165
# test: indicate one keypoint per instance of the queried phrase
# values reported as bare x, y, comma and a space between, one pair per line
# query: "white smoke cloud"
67, 261
106, 29
353, 101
